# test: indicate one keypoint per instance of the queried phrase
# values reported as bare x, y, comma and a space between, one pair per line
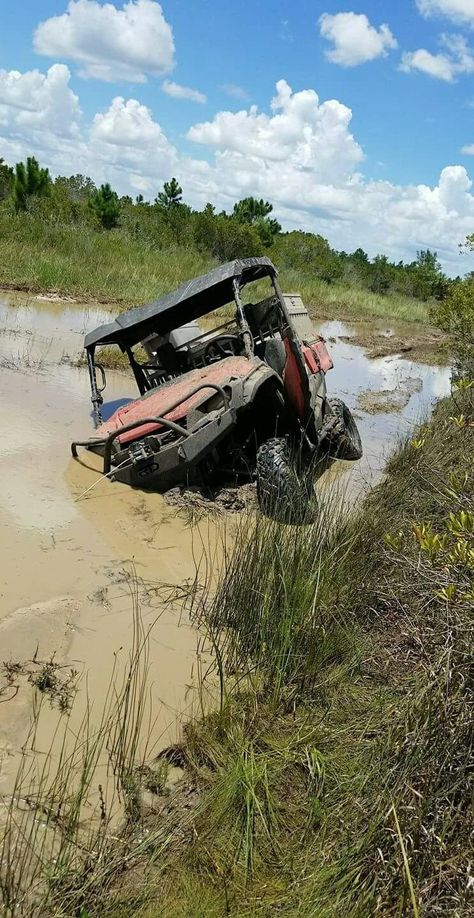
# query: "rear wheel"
282, 493
341, 437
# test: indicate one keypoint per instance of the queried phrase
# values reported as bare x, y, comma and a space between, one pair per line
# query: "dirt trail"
70, 559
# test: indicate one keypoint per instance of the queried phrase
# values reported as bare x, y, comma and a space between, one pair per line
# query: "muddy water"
69, 559
410, 389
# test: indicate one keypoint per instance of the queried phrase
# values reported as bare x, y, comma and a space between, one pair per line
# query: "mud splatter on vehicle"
247, 399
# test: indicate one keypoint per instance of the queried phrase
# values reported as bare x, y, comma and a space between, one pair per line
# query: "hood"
157, 402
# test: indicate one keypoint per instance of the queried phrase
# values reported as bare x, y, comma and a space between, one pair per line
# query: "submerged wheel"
282, 493
341, 436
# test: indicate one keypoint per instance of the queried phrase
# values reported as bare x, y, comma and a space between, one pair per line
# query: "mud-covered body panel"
157, 402
155, 455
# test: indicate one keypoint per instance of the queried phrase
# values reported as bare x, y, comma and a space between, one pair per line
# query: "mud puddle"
76, 549
71, 561
382, 338
388, 395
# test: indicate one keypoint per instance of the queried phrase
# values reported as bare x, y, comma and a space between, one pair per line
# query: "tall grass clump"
274, 610
286, 656
421, 604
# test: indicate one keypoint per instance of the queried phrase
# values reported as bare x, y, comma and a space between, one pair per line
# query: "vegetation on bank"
334, 776
82, 241
337, 775
456, 317
114, 269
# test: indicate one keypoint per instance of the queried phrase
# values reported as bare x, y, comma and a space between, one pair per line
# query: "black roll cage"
114, 334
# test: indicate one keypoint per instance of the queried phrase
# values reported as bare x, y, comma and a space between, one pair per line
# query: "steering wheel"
217, 348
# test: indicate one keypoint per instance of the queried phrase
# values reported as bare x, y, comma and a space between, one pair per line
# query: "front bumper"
146, 463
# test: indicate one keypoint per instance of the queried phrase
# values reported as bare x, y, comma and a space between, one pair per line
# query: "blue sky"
369, 176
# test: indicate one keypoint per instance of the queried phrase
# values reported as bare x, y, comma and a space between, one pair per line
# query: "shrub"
455, 315
224, 237
105, 205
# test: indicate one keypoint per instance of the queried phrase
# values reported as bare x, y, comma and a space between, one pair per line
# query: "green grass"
77, 261
335, 301
114, 268
111, 358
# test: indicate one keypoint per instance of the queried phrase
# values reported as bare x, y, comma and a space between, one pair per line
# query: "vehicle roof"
192, 299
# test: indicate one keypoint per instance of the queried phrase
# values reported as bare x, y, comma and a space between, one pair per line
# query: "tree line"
249, 229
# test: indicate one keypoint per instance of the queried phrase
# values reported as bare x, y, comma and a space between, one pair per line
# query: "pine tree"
106, 206
29, 180
171, 196
6, 179
249, 210
256, 213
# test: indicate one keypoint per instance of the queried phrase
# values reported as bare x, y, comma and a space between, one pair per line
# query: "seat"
274, 354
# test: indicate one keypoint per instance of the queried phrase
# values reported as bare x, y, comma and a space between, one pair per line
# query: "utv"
241, 396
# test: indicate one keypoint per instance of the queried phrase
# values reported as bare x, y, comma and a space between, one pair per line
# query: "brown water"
69, 558
68, 561
415, 388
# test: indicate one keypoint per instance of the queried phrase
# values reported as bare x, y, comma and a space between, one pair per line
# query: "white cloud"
460, 52
40, 116
34, 102
128, 124
300, 155
355, 40
468, 150
182, 92
454, 190
301, 131
126, 137
458, 60
434, 65
110, 43
457, 10
279, 157
236, 91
